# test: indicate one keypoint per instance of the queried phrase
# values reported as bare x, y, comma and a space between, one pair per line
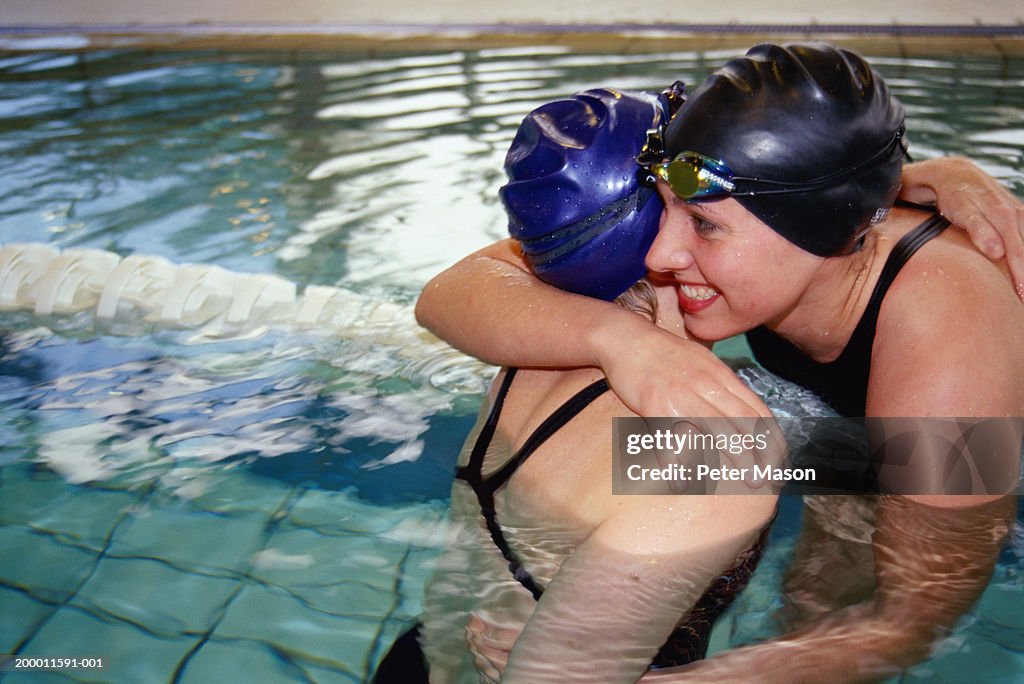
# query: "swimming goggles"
695, 176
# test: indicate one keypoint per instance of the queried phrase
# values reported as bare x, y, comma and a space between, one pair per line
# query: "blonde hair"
640, 298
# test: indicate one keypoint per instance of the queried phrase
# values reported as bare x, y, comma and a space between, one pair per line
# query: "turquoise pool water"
265, 505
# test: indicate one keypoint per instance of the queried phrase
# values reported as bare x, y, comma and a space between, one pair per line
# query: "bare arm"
491, 306
614, 601
931, 565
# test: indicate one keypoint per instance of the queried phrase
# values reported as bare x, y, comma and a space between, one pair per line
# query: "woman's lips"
695, 298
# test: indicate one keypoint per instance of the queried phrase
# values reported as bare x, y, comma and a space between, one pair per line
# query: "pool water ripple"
286, 488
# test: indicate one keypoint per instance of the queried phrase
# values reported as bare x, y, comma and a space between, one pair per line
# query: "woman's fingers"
1015, 251
979, 204
996, 228
983, 229
665, 376
490, 646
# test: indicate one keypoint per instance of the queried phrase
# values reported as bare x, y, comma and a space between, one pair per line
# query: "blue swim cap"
574, 199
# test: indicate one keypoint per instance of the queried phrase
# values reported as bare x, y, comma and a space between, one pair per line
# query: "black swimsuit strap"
898, 257
485, 488
552, 424
473, 471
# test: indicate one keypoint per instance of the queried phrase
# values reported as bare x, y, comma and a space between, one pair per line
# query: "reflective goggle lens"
692, 174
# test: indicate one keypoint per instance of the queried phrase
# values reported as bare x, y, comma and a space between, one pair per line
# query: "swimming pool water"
266, 506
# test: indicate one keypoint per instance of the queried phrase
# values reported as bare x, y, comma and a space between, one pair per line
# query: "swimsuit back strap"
485, 488
900, 254
552, 424
472, 472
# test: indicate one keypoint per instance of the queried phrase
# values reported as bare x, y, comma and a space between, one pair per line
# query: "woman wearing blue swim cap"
733, 246
542, 553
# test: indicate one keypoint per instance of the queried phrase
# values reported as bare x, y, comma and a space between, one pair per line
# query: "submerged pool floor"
254, 581
259, 581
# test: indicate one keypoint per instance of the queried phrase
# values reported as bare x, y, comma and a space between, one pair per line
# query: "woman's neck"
821, 323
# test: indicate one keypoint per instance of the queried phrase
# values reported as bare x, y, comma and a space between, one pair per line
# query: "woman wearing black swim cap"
777, 233
779, 176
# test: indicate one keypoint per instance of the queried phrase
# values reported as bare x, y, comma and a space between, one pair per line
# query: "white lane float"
138, 293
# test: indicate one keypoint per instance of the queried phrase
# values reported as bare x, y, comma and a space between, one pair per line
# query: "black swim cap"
797, 114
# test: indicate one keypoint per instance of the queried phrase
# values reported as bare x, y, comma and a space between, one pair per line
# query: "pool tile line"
296, 660
111, 619
56, 539
69, 540
272, 524
53, 606
379, 621
205, 638
92, 607
309, 605
66, 603
108, 551
99, 613
268, 617
379, 647
225, 573
299, 661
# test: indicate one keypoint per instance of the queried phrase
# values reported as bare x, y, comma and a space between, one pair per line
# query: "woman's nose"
671, 248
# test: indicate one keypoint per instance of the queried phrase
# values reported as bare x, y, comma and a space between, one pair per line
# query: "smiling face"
732, 273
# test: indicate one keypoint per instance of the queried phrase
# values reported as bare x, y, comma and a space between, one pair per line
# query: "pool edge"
902, 40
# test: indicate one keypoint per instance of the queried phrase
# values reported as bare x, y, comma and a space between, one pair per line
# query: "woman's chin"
705, 328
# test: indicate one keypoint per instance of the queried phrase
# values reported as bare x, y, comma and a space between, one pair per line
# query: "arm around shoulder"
975, 201
492, 306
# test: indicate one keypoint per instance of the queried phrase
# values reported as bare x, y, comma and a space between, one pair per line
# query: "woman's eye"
704, 227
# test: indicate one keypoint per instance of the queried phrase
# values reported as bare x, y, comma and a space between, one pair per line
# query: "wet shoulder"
950, 337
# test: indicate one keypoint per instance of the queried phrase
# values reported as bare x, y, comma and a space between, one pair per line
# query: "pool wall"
940, 27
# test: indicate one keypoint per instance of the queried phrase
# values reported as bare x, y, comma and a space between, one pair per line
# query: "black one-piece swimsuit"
843, 383
689, 641
404, 663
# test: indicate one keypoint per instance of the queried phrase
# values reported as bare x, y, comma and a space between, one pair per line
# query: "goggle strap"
828, 180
